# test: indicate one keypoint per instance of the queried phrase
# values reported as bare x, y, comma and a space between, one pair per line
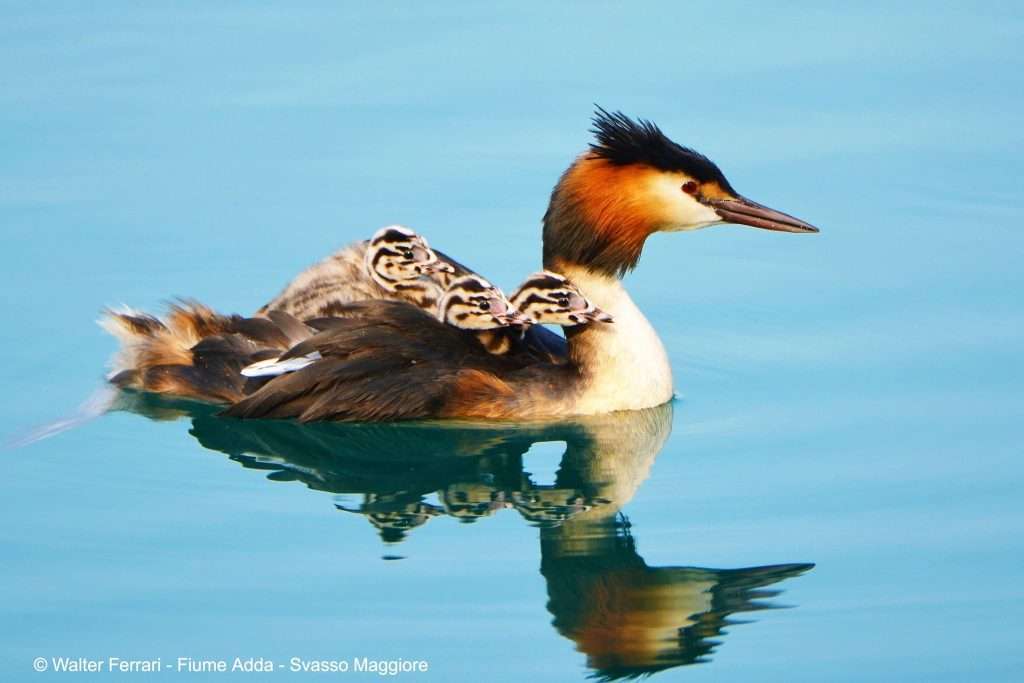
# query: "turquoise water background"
850, 399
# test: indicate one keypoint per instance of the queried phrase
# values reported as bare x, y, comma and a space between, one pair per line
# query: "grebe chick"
545, 298
396, 263
550, 299
473, 303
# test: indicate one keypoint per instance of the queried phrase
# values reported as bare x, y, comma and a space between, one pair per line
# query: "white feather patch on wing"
273, 367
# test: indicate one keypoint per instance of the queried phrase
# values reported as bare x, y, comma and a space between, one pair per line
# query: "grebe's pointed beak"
743, 211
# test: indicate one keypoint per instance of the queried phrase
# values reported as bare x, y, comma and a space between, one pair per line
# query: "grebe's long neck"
598, 219
623, 365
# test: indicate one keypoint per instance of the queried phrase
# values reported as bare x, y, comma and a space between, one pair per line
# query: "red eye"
689, 187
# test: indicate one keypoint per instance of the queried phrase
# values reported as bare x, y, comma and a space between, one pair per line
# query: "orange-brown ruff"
606, 230
390, 360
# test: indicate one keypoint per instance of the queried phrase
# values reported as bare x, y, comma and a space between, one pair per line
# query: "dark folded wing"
383, 360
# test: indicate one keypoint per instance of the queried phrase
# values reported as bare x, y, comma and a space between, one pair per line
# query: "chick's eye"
485, 305
689, 187
563, 302
407, 254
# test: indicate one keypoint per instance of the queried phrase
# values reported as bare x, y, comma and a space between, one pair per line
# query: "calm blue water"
851, 399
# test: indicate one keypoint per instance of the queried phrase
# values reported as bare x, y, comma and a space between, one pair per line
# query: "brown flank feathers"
380, 360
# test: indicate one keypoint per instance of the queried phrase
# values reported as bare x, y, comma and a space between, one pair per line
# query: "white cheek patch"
683, 211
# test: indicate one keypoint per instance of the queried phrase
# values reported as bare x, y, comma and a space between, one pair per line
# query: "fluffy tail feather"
193, 352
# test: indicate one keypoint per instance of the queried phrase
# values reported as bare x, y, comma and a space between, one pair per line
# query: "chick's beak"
438, 267
505, 313
743, 211
514, 317
584, 311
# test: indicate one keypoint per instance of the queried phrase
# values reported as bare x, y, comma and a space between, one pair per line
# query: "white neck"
624, 363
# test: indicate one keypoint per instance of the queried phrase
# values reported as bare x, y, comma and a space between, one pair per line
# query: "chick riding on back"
545, 298
396, 264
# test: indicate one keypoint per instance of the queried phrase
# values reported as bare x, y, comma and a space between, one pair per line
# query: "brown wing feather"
385, 361
381, 360
291, 326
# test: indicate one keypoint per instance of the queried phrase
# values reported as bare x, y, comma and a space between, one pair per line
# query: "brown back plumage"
378, 360
383, 360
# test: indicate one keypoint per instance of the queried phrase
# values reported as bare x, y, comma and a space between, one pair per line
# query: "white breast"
626, 366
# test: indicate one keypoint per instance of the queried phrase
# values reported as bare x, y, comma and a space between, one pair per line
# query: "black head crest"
621, 140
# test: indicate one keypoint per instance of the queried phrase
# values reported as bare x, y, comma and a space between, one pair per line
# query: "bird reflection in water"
626, 617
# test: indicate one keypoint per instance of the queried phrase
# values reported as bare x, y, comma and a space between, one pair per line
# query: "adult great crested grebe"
632, 182
393, 361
